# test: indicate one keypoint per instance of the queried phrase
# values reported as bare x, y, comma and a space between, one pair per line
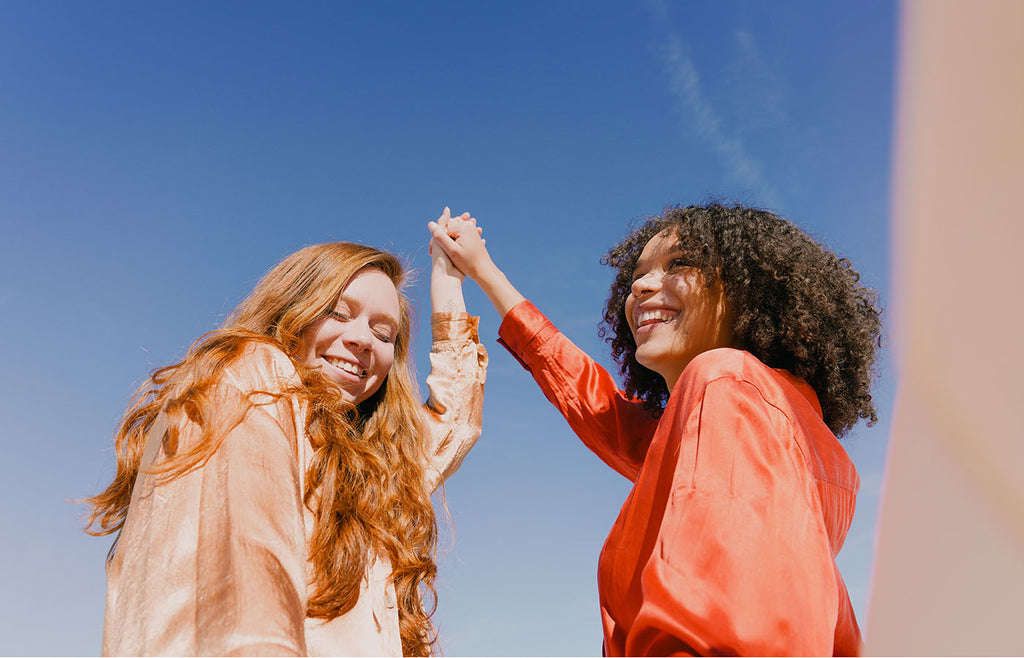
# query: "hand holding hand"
445, 278
442, 264
461, 240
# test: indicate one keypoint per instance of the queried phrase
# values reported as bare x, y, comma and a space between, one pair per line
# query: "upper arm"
250, 555
211, 561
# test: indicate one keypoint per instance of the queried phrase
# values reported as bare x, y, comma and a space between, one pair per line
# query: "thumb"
441, 237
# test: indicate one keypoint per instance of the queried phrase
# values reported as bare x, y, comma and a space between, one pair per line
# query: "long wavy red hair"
365, 485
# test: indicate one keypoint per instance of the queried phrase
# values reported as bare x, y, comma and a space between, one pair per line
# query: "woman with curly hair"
272, 494
747, 349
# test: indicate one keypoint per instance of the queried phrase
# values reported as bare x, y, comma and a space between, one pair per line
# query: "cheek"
385, 361
307, 346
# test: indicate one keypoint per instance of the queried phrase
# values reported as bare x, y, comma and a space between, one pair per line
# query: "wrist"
442, 270
488, 275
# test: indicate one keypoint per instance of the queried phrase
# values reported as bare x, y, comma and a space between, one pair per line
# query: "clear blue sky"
156, 158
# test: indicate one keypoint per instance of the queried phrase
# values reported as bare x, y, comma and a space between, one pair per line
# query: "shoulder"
730, 388
736, 412
726, 363
738, 370
261, 367
730, 381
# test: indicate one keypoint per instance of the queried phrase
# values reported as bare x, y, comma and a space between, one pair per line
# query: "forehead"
373, 290
666, 242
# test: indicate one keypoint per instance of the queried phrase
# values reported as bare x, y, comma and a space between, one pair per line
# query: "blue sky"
157, 158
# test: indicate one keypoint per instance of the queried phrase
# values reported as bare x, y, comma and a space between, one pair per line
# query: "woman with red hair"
272, 494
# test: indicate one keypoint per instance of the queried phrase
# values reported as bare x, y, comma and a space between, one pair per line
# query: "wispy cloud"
699, 116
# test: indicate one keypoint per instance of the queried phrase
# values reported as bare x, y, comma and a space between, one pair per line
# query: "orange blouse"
742, 498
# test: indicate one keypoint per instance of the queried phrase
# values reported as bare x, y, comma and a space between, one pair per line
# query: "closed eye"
338, 316
382, 335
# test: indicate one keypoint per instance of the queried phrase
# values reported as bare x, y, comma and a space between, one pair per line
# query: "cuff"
520, 326
454, 326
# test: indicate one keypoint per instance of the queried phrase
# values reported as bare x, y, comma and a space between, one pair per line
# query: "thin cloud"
698, 114
759, 81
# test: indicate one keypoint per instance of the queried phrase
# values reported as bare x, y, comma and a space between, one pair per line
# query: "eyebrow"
676, 250
377, 316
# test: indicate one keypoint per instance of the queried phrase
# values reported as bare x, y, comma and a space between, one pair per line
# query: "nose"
645, 284
358, 338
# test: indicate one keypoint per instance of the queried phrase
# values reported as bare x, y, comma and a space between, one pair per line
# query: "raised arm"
458, 368
616, 428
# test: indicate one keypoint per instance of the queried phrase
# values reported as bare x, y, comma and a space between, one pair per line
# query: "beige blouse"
214, 562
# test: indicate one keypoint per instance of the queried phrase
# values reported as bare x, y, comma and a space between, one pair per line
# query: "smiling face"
673, 314
354, 345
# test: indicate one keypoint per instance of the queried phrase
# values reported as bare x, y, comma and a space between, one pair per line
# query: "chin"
646, 359
355, 397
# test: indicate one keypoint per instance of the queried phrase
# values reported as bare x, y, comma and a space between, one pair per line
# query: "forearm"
458, 369
446, 292
498, 288
617, 429
469, 255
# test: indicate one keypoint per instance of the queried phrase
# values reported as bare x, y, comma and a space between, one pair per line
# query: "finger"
454, 228
479, 230
435, 229
440, 236
445, 217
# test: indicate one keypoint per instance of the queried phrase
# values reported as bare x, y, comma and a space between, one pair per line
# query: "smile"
347, 366
652, 317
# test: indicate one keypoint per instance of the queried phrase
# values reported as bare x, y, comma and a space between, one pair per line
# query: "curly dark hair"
796, 305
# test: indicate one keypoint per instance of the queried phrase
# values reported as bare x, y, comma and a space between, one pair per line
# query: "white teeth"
661, 316
347, 366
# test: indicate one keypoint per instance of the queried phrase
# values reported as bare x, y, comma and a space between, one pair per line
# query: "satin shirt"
742, 498
214, 562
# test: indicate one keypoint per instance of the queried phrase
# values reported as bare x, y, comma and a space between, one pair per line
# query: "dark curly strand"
797, 305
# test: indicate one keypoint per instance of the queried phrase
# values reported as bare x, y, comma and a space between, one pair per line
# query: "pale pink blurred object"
949, 565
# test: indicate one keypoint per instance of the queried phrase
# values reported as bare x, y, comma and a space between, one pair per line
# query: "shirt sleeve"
250, 556
212, 561
616, 428
741, 562
454, 407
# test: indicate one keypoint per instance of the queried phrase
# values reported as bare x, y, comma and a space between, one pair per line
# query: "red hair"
378, 444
